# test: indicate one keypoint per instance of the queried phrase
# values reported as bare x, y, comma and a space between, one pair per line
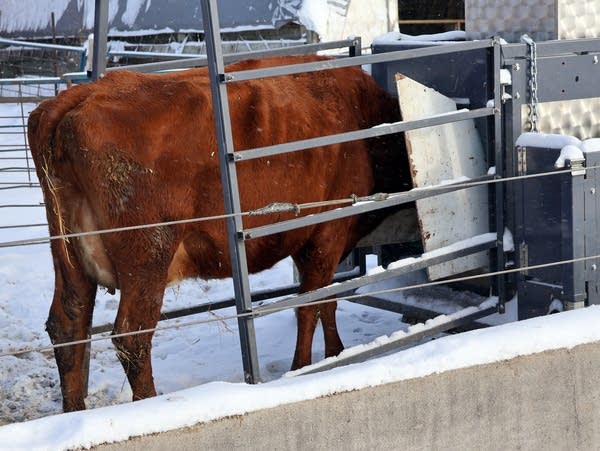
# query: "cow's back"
140, 149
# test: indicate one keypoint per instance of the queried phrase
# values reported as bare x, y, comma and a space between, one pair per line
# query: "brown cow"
138, 149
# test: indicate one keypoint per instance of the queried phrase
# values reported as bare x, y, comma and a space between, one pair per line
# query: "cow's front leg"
316, 263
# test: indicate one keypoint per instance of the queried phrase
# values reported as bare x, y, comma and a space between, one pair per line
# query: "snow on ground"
197, 367
220, 399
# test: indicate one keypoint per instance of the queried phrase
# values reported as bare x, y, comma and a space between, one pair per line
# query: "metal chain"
533, 82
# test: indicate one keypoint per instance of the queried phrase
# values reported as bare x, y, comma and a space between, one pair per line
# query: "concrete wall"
549, 400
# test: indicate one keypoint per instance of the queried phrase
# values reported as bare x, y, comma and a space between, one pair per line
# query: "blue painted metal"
551, 230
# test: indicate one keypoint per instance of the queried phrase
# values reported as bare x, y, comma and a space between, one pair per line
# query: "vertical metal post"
53, 24
516, 191
592, 226
572, 239
499, 162
98, 68
237, 248
25, 138
100, 38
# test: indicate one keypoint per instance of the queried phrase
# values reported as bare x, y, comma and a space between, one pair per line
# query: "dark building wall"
432, 9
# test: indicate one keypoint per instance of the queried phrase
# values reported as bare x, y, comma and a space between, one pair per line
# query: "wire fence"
273, 208
19, 96
275, 308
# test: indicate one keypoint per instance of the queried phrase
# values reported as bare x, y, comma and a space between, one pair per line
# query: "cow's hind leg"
316, 264
139, 310
143, 276
69, 320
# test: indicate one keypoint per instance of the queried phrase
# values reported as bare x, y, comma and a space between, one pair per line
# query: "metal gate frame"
504, 118
219, 80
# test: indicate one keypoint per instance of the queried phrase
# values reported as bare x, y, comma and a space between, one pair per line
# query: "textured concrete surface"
549, 400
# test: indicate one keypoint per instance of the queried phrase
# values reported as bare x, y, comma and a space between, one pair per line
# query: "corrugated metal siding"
152, 17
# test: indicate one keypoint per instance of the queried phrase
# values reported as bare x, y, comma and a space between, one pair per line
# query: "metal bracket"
225, 78
234, 156
577, 167
524, 257
572, 305
521, 160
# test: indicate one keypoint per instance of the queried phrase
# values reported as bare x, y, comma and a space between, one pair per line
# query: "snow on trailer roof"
571, 148
397, 38
32, 18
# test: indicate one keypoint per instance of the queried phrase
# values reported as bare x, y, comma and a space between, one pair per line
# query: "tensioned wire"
282, 207
275, 308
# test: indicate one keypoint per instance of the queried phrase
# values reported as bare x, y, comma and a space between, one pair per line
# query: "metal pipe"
237, 248
183, 62
357, 60
487, 241
100, 38
364, 207
38, 45
380, 130
499, 190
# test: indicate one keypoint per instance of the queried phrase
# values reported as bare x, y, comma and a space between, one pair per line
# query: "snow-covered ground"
197, 367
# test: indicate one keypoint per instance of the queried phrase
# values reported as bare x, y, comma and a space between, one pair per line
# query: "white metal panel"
438, 154
579, 118
541, 19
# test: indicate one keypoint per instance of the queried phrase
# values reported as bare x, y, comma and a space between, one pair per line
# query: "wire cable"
274, 309
279, 207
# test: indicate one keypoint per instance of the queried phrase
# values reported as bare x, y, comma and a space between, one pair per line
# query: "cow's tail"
46, 152
44, 120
